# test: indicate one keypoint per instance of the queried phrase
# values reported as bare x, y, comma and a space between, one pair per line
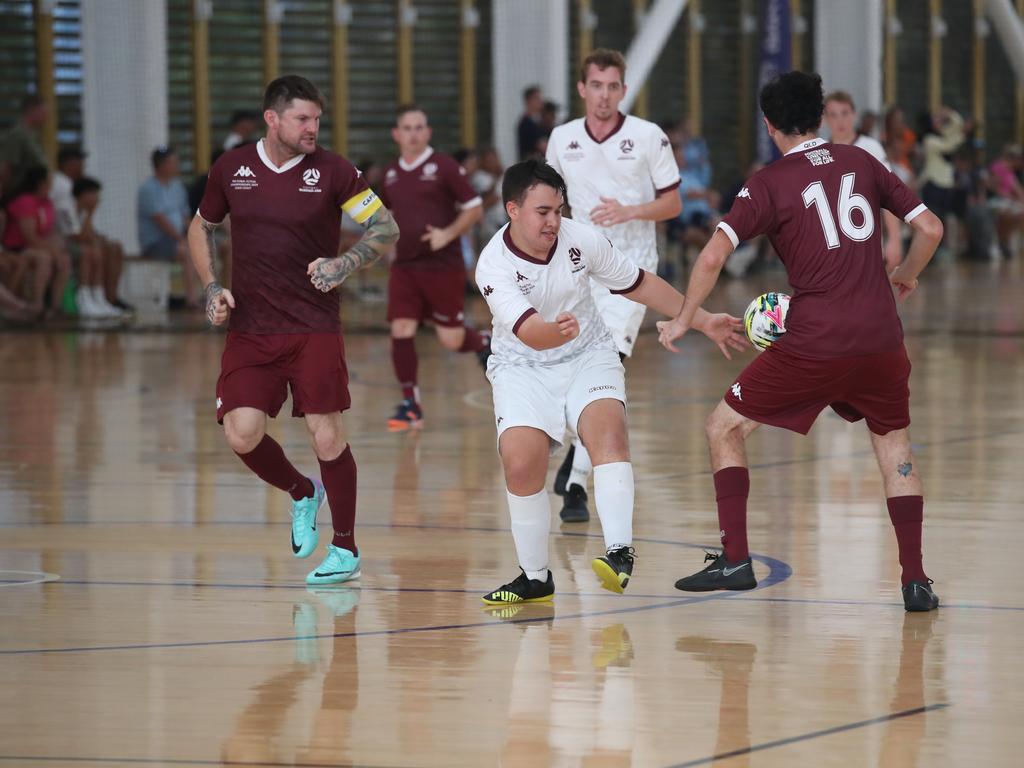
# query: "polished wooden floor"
151, 612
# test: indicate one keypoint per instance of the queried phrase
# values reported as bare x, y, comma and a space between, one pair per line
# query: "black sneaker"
562, 476
574, 509
721, 574
407, 416
484, 354
918, 596
522, 590
615, 568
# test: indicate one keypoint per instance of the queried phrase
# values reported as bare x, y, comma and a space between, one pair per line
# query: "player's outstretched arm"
539, 335
381, 233
702, 280
439, 237
927, 236
202, 247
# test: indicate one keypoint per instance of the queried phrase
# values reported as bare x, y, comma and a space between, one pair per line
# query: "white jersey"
873, 148
517, 286
634, 164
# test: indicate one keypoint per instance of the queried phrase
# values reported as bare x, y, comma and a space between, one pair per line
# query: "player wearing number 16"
820, 205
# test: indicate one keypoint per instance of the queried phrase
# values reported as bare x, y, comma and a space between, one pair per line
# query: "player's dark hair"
404, 109
85, 185
160, 154
530, 91
283, 91
793, 102
32, 180
243, 115
603, 58
522, 177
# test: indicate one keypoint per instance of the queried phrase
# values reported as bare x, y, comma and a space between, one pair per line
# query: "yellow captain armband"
362, 206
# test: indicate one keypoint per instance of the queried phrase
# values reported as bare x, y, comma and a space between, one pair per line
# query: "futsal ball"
765, 319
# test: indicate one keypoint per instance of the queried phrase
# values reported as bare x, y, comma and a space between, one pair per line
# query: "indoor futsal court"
152, 615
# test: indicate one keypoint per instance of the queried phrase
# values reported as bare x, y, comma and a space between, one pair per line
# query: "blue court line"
778, 572
813, 735
438, 590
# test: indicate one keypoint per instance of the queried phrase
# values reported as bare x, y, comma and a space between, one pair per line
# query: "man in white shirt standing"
554, 365
622, 177
841, 117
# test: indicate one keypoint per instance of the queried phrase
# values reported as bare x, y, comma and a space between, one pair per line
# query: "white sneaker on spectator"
87, 308
99, 300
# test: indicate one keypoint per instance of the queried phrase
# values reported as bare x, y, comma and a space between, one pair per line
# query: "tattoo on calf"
905, 469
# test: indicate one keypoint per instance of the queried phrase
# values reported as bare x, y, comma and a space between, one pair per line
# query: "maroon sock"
907, 514
270, 464
732, 486
339, 476
473, 341
403, 356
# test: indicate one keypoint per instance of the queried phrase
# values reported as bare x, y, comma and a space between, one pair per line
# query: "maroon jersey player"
434, 205
820, 205
285, 196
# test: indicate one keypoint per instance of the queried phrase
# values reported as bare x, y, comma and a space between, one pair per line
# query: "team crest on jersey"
311, 179
576, 257
429, 172
391, 176
626, 146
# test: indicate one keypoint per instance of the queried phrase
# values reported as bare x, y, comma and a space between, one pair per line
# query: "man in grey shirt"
163, 217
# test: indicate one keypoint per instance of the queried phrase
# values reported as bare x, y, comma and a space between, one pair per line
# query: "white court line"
37, 577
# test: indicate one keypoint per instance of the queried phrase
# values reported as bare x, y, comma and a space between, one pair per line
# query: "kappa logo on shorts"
602, 388
219, 403
500, 419
736, 391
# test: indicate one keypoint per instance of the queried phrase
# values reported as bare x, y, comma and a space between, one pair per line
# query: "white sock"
531, 524
613, 494
581, 466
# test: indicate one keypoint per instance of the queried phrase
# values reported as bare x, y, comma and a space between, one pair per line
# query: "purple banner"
776, 58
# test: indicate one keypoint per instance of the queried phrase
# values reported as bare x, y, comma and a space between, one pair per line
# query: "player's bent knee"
242, 440
328, 444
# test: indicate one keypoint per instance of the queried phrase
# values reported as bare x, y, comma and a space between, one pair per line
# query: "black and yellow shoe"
522, 590
615, 568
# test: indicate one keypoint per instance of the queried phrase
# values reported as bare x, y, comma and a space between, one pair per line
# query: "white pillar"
848, 49
531, 45
124, 104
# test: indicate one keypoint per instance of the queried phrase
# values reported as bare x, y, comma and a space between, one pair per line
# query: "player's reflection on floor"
258, 737
555, 692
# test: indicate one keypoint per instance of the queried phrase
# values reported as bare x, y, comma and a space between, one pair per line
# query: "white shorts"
552, 397
622, 316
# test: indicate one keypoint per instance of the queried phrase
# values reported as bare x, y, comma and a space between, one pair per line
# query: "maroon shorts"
257, 369
787, 391
436, 295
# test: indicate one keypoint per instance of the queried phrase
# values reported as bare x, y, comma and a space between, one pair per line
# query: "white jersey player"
622, 177
841, 117
554, 365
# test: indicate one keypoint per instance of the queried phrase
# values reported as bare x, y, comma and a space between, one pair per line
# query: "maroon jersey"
432, 190
282, 219
819, 206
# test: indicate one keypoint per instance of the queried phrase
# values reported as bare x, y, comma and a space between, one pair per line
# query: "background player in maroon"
285, 195
820, 206
430, 197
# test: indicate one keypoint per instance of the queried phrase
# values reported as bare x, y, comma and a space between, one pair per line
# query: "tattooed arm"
202, 247
381, 233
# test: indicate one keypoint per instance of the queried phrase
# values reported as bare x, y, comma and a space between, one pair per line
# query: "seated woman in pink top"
30, 232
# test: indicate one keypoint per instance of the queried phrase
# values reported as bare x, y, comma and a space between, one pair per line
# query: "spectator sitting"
20, 146
12, 274
900, 145
163, 216
244, 125
30, 231
1007, 199
86, 193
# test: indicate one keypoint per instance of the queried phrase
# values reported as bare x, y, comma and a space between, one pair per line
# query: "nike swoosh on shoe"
731, 571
